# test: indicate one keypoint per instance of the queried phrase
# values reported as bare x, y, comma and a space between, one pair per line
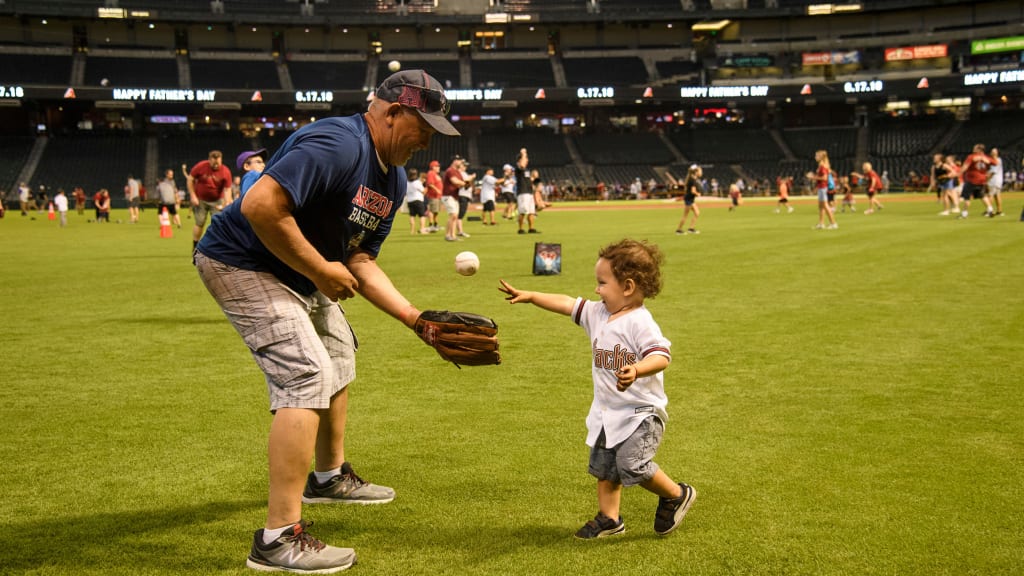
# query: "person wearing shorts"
451, 183
167, 192
414, 202
209, 190
526, 205
488, 195
820, 178
508, 191
306, 234
974, 171
628, 354
132, 195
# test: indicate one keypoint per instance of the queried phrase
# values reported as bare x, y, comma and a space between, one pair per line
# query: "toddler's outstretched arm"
559, 303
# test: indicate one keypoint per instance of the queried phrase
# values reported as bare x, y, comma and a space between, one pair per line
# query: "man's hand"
336, 282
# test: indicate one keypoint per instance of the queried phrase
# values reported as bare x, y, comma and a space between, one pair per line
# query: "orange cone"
165, 224
51, 215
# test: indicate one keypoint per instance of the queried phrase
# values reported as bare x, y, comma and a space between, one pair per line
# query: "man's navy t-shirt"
343, 200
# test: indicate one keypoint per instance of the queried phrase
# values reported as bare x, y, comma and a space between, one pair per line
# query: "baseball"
394, 65
467, 263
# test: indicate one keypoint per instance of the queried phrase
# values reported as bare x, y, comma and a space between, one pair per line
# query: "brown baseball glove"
462, 338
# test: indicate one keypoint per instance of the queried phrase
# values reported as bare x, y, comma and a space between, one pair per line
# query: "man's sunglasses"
424, 99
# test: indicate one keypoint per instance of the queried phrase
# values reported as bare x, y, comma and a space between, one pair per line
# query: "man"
432, 193
306, 234
131, 194
974, 171
209, 190
450, 184
167, 191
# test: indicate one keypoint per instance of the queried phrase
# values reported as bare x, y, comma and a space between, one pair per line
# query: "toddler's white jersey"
614, 344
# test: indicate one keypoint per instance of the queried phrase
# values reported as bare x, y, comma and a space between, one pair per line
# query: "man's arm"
190, 184
268, 208
375, 286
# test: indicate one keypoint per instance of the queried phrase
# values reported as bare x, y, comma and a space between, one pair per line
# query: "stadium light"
824, 9
711, 26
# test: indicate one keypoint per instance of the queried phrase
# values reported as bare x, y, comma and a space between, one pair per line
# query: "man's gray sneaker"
346, 487
297, 551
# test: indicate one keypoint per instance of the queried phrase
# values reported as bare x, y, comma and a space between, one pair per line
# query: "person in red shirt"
209, 189
974, 171
874, 186
101, 200
432, 192
79, 196
450, 196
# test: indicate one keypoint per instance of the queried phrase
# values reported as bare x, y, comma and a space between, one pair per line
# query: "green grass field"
845, 402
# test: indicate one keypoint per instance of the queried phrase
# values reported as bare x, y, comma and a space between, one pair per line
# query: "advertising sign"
916, 52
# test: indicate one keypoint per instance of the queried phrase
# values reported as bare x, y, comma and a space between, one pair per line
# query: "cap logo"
423, 99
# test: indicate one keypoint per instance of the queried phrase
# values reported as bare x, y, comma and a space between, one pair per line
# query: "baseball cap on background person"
240, 162
421, 92
435, 164
507, 167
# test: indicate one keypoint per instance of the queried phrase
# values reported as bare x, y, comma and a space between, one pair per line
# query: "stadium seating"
14, 150
610, 71
92, 161
126, 72
636, 148
323, 75
35, 69
721, 143
500, 146
248, 74
513, 73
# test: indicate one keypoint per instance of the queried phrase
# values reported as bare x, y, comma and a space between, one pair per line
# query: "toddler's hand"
514, 296
626, 376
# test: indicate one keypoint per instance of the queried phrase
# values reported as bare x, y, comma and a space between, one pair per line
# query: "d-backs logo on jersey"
612, 359
369, 207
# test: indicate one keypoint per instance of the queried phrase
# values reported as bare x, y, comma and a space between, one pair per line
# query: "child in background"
734, 197
60, 202
251, 164
784, 183
873, 187
847, 190
488, 196
627, 416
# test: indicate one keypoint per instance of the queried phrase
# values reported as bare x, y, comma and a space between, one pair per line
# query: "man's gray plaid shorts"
303, 344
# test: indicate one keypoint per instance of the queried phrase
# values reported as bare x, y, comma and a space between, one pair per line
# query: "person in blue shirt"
301, 237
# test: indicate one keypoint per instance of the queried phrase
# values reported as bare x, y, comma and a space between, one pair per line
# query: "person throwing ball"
628, 356
306, 234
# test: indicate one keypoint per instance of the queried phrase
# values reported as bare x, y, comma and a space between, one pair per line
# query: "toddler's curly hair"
636, 259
